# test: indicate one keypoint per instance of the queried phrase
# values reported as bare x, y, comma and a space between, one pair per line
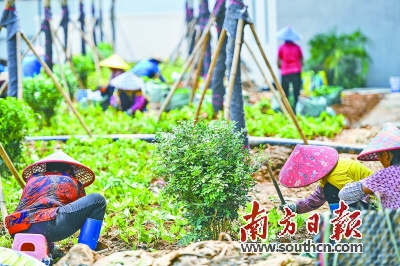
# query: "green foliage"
42, 96
105, 49
344, 57
69, 76
167, 69
122, 168
325, 90
260, 120
84, 65
15, 117
207, 171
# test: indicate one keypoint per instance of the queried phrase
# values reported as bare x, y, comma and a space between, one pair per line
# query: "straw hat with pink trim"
308, 164
81, 172
387, 139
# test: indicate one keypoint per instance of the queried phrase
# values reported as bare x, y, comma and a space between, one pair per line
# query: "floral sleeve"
312, 202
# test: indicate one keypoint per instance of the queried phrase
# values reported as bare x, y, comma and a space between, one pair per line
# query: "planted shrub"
84, 65
72, 82
207, 171
42, 96
344, 57
15, 119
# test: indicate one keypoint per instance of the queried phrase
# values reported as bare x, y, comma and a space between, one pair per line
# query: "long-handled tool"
275, 183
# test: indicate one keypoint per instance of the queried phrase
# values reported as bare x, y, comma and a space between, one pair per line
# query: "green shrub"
15, 119
42, 96
343, 57
72, 82
84, 65
207, 171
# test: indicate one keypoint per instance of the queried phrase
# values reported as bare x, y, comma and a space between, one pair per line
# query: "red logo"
257, 224
346, 223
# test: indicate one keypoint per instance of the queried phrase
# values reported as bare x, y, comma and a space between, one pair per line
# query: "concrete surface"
388, 110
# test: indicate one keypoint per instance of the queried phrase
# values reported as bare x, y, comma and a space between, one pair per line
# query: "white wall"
145, 27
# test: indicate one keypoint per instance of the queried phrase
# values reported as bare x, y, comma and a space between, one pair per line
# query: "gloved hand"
129, 112
292, 206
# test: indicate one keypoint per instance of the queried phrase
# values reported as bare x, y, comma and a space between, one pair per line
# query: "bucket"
394, 84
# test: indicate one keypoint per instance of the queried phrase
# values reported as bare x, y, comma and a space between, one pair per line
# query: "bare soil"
355, 106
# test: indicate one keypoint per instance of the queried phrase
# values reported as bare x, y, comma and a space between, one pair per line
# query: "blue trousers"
70, 218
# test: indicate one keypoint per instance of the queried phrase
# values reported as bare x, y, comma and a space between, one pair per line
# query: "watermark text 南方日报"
344, 224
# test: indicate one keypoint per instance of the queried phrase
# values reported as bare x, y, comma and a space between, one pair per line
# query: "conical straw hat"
288, 34
114, 61
127, 81
82, 172
387, 139
157, 57
308, 164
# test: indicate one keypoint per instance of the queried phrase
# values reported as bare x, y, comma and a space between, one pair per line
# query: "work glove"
292, 206
129, 112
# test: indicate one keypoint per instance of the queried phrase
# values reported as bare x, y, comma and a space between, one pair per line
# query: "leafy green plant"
69, 76
134, 213
207, 171
84, 65
260, 120
42, 96
344, 57
325, 90
15, 117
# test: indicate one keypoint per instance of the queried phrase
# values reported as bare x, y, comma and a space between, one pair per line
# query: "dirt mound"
199, 253
277, 155
79, 254
354, 106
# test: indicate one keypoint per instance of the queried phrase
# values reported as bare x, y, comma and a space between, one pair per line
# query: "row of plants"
202, 197
261, 121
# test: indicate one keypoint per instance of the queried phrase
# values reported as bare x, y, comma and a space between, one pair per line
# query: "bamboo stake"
10, 166
95, 55
3, 206
272, 88
58, 86
199, 68
209, 73
188, 78
235, 62
19, 65
71, 65
188, 62
32, 41
3, 87
60, 65
88, 41
278, 85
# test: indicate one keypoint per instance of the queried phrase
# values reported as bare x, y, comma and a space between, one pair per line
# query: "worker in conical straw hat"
385, 184
309, 164
128, 95
54, 202
149, 68
118, 66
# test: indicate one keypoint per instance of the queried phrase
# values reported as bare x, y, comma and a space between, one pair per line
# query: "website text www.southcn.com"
305, 246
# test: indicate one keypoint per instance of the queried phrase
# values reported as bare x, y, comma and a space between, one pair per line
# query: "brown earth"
355, 106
